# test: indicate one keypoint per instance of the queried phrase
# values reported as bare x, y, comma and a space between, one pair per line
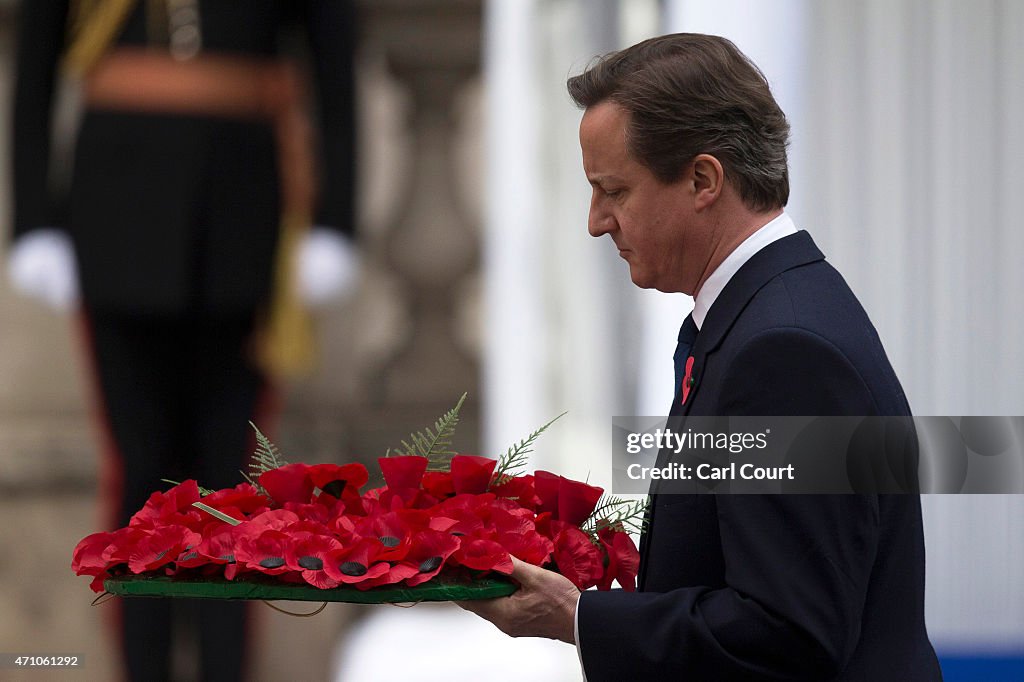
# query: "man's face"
651, 223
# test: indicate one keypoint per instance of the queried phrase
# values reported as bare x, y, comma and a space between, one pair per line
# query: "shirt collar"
777, 228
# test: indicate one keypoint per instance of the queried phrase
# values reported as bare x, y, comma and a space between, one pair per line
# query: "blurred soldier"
192, 167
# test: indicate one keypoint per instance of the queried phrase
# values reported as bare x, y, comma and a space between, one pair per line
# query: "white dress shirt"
779, 227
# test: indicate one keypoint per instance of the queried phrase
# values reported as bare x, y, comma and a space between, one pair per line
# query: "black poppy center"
353, 568
189, 557
230, 558
431, 564
334, 488
311, 563
272, 562
390, 541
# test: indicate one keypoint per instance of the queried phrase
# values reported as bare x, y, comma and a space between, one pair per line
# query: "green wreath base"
440, 588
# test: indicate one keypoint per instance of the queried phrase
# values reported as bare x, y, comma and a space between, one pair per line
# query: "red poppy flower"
216, 547
515, 530
309, 555
96, 554
393, 574
545, 484
123, 544
577, 558
275, 519
463, 523
97, 585
356, 563
371, 501
511, 520
262, 551
162, 506
531, 547
305, 527
483, 555
289, 483
438, 484
161, 547
324, 513
466, 502
394, 531
568, 500
518, 488
243, 498
623, 560
89, 556
394, 500
547, 526
471, 474
403, 472
340, 482
190, 558
344, 528
333, 479
576, 500
430, 549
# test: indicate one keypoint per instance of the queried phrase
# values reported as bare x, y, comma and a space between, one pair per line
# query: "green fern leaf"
265, 458
512, 462
617, 513
434, 444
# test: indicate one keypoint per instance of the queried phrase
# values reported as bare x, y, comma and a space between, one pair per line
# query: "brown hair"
690, 94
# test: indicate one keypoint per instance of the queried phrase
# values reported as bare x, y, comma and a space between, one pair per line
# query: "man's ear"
708, 180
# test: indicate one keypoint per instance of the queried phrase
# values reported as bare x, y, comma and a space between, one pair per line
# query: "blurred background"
478, 275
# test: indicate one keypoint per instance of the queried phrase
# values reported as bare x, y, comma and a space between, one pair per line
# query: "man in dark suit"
685, 148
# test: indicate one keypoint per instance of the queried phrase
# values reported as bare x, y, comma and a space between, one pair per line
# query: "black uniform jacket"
775, 587
173, 212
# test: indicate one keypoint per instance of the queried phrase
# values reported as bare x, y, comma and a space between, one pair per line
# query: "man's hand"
543, 606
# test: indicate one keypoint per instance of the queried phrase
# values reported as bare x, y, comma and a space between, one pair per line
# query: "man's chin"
641, 278
644, 280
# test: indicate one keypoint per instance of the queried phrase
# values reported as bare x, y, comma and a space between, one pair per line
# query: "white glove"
328, 266
42, 264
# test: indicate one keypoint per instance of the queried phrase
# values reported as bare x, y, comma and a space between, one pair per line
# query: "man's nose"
599, 221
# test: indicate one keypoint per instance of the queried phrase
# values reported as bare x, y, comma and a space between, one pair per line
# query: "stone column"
405, 350
433, 50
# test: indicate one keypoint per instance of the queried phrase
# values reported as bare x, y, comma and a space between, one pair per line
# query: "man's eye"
612, 193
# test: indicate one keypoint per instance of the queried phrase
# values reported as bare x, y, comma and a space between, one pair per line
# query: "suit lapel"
781, 255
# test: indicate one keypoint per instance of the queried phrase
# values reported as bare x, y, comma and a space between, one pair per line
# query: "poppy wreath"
438, 513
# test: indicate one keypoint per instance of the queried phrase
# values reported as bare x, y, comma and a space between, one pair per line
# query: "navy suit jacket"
775, 587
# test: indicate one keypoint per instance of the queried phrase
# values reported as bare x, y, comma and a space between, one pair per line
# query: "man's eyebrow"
601, 178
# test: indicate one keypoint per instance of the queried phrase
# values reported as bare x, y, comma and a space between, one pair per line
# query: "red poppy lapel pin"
688, 380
